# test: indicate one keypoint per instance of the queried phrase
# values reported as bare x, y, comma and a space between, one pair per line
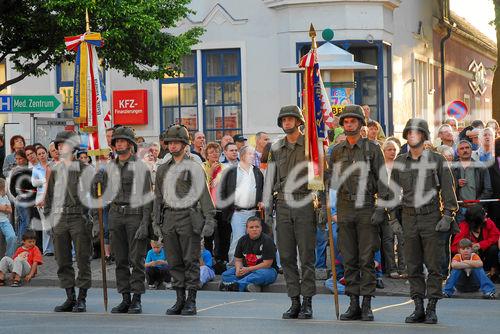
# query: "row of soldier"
184, 213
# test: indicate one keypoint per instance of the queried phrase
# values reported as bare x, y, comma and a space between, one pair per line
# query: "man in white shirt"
246, 181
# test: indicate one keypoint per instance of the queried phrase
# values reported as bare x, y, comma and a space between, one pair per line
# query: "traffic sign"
458, 110
30, 104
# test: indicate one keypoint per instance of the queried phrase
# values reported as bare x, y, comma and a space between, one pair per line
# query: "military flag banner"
89, 97
318, 115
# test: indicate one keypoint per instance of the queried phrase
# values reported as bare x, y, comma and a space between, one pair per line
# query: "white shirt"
246, 188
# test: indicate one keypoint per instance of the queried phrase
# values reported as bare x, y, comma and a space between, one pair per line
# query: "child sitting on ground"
206, 272
467, 264
157, 270
254, 260
24, 263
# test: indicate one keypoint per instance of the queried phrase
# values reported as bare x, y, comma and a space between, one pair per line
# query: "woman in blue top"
39, 178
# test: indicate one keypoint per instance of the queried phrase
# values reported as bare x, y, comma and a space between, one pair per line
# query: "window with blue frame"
179, 98
65, 75
222, 107
368, 83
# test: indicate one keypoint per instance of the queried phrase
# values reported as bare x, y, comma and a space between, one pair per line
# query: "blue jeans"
329, 286
260, 277
10, 237
23, 219
206, 274
321, 243
322, 239
486, 285
378, 270
239, 227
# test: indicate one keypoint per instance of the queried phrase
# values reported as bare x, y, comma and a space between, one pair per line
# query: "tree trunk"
496, 77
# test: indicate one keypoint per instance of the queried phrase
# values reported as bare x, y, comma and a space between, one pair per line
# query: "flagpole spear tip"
87, 20
312, 31
312, 34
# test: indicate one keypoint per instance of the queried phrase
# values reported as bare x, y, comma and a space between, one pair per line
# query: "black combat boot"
354, 311
430, 312
179, 303
135, 306
306, 311
294, 310
81, 305
190, 305
123, 306
419, 314
68, 304
366, 309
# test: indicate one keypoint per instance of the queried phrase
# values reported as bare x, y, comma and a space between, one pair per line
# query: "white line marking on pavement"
227, 303
391, 306
18, 293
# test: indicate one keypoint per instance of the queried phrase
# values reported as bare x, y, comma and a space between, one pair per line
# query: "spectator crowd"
242, 248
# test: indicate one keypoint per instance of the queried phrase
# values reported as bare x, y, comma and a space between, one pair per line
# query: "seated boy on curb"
468, 264
254, 260
156, 264
24, 263
206, 262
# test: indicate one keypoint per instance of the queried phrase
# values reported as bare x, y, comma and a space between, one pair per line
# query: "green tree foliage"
135, 35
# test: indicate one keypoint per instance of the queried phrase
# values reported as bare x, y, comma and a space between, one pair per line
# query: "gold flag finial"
87, 20
312, 34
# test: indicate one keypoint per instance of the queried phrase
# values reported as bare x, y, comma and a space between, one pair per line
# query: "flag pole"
100, 205
312, 34
332, 253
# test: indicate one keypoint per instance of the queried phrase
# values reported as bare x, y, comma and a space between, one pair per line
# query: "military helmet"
291, 110
177, 133
417, 124
68, 137
352, 110
124, 132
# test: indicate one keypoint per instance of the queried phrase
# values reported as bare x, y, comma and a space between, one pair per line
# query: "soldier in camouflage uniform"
70, 223
429, 205
362, 164
184, 210
295, 224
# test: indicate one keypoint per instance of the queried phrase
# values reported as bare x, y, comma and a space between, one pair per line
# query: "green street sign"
31, 104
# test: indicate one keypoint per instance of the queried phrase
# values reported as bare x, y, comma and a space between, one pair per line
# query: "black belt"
296, 196
353, 198
237, 208
125, 209
178, 209
423, 210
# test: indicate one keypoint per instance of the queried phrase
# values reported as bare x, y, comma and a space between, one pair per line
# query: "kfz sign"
127, 104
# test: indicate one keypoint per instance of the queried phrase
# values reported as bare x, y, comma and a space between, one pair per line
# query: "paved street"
29, 310
47, 277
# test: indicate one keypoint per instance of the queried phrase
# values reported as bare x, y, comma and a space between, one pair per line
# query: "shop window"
179, 98
222, 108
366, 82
